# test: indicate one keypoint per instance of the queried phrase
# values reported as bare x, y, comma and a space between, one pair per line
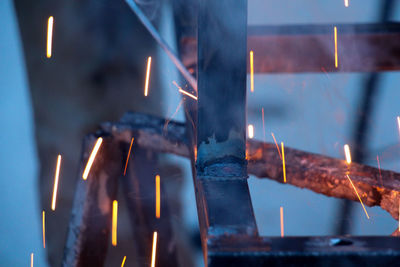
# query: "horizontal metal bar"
310, 48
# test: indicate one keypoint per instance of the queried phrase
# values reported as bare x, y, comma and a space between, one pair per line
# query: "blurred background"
96, 74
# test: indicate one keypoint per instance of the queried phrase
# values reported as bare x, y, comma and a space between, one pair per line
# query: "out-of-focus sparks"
282, 229
347, 153
91, 158
153, 251
283, 162
399, 215
252, 71
346, 3
158, 197
50, 23
184, 92
146, 86
379, 168
55, 188
355, 190
31, 259
123, 261
398, 123
336, 50
263, 123
114, 223
250, 131
277, 147
127, 158
44, 228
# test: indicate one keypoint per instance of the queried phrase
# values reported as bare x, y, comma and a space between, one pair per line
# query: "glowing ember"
346, 3
158, 197
251, 71
31, 259
277, 147
282, 230
263, 122
44, 228
336, 50
114, 223
355, 190
127, 158
146, 86
153, 252
250, 131
184, 92
50, 23
123, 261
379, 167
347, 153
283, 162
91, 158
55, 188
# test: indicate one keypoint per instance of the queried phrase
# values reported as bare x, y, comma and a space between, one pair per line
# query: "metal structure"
214, 139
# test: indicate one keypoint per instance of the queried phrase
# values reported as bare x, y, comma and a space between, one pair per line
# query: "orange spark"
91, 158
250, 131
346, 3
158, 197
336, 50
146, 86
50, 23
263, 122
127, 158
184, 92
399, 215
283, 163
277, 147
114, 223
355, 190
44, 228
55, 188
347, 153
31, 259
153, 252
252, 71
123, 261
282, 230
379, 167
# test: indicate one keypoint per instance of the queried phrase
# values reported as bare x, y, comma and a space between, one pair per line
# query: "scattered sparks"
283, 162
146, 86
336, 50
31, 259
277, 147
44, 228
355, 190
153, 252
50, 23
184, 92
252, 71
347, 153
263, 123
55, 188
282, 229
250, 131
379, 167
127, 158
91, 158
123, 261
114, 223
346, 3
158, 197
398, 123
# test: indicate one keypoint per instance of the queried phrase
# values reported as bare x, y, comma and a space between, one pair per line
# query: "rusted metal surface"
310, 48
321, 174
90, 224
